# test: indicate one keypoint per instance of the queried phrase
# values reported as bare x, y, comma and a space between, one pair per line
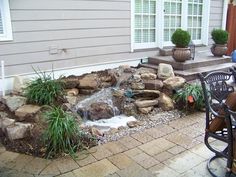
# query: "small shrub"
219, 36
190, 97
44, 90
62, 133
180, 38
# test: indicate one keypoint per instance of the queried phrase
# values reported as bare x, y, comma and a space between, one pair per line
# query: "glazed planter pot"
219, 49
181, 54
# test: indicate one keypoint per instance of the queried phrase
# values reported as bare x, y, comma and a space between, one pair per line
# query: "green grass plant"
44, 90
190, 90
62, 134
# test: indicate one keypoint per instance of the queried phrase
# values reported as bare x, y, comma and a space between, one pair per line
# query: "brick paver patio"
173, 150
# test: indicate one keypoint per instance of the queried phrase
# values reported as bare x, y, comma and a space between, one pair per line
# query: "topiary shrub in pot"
181, 51
220, 37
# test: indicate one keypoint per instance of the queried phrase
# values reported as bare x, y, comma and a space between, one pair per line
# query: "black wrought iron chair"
216, 90
231, 124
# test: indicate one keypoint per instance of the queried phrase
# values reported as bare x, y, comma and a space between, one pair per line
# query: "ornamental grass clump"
190, 97
44, 90
62, 134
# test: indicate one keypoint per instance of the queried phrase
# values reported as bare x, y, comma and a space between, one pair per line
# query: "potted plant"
220, 37
181, 51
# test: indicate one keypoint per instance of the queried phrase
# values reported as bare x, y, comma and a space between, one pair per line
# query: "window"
145, 23
154, 21
195, 13
5, 21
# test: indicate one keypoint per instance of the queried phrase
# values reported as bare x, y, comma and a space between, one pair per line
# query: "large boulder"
89, 81
146, 103
165, 102
100, 110
27, 112
153, 84
5, 122
18, 130
14, 102
174, 83
165, 71
19, 83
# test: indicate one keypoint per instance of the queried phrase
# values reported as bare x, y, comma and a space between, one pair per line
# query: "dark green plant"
219, 36
44, 90
190, 96
62, 134
180, 38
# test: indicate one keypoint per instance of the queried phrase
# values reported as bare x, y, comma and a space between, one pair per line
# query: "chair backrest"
215, 86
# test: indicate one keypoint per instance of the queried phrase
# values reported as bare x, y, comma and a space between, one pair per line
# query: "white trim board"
71, 71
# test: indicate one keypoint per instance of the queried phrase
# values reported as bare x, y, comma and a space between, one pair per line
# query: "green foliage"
194, 90
62, 133
180, 38
44, 90
219, 36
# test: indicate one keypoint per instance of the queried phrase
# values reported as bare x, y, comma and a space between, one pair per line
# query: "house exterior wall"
216, 16
69, 33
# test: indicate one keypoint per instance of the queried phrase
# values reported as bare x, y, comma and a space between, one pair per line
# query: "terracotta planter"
219, 49
181, 54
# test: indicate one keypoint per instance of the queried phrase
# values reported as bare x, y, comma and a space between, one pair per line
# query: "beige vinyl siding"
86, 32
216, 15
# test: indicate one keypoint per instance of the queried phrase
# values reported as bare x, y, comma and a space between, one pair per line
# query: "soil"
34, 144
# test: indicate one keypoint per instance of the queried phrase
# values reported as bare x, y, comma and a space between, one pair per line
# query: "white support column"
132, 26
224, 17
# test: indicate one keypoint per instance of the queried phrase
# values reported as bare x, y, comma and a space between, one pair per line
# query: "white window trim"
6, 19
160, 21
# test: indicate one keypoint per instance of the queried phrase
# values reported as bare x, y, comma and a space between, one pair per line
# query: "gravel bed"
157, 117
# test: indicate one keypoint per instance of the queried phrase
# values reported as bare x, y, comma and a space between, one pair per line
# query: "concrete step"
192, 74
200, 61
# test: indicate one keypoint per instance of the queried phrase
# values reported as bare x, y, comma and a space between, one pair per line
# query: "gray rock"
165, 71
130, 109
136, 78
71, 99
165, 102
153, 84
100, 110
173, 83
14, 102
27, 112
146, 103
132, 124
18, 130
5, 122
137, 86
95, 132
